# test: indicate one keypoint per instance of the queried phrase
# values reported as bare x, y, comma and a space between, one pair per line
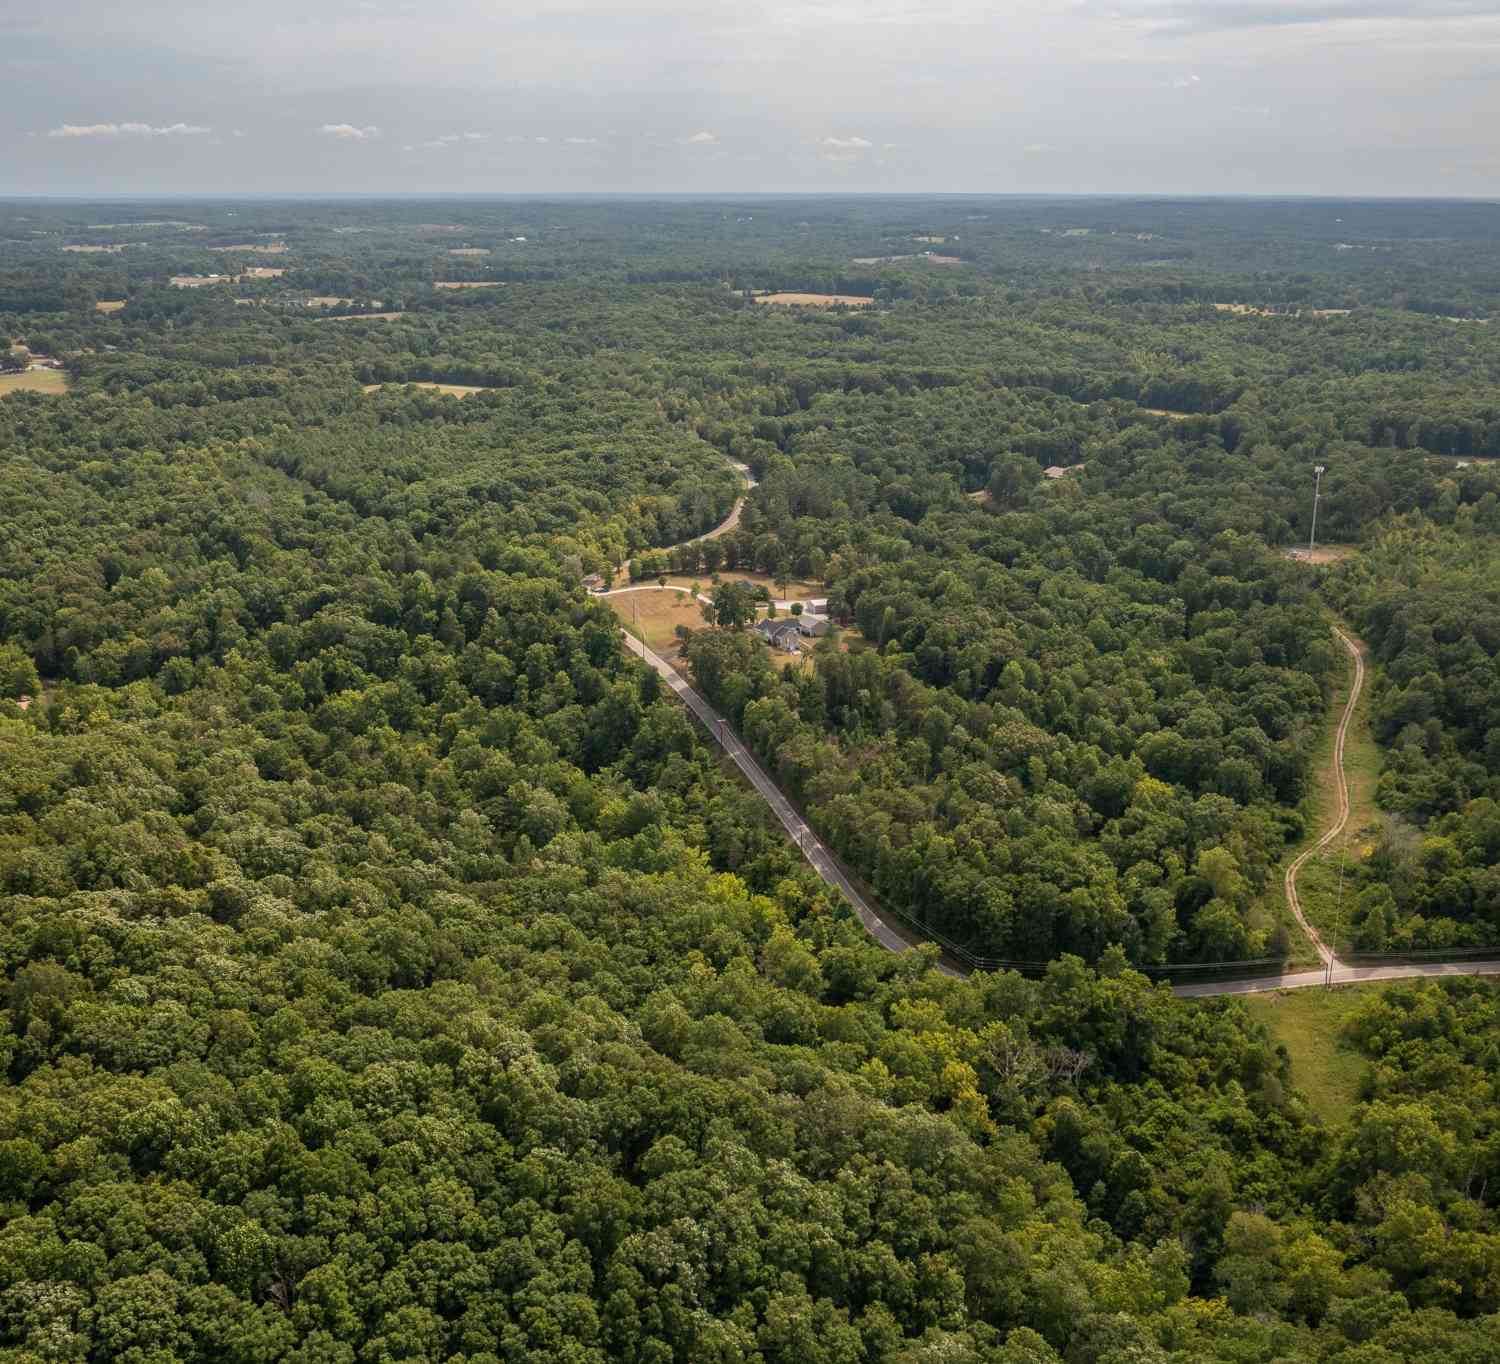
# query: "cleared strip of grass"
1325, 896
1326, 1068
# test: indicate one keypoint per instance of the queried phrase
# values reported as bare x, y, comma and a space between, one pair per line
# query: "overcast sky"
1166, 96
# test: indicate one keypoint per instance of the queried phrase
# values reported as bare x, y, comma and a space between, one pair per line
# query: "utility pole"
1312, 538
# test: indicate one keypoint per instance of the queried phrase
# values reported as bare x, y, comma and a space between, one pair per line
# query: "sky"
1336, 97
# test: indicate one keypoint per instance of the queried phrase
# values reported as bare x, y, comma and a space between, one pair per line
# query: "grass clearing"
793, 300
652, 615
201, 281
454, 390
357, 317
1167, 412
34, 381
1326, 1068
109, 305
467, 283
1323, 554
468, 251
266, 249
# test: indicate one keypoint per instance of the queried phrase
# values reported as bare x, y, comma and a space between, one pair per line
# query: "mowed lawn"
1326, 1068
652, 615
34, 381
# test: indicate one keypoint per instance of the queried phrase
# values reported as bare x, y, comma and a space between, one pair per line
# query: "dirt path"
1341, 785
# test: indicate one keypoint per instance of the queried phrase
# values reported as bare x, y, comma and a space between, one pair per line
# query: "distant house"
593, 582
813, 626
1060, 470
780, 634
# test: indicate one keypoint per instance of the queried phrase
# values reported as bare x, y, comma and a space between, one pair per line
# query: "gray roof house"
781, 634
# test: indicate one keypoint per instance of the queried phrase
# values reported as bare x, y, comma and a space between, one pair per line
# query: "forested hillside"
394, 972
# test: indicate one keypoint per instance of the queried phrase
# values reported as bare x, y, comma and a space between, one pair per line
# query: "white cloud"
453, 139
846, 144
581, 141
1186, 82
701, 139
1036, 148
347, 132
127, 130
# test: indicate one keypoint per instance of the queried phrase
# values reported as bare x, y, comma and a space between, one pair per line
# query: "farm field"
34, 381
109, 305
260, 249
200, 281
794, 300
469, 251
101, 249
467, 284
453, 390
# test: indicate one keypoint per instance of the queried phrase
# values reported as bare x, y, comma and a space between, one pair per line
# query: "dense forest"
393, 971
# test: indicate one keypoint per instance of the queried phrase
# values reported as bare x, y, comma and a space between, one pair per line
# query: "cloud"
128, 130
1211, 15
1186, 82
347, 132
453, 139
1036, 148
581, 141
701, 139
846, 144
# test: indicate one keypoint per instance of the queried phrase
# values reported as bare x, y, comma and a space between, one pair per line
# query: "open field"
34, 381
1309, 1024
155, 222
1323, 554
791, 300
932, 258
264, 272
468, 251
931, 241
467, 284
653, 616
359, 317
102, 249
1256, 310
200, 281
1167, 412
454, 390
263, 249
109, 305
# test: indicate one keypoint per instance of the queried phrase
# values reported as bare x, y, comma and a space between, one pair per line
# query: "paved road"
1341, 975
817, 854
